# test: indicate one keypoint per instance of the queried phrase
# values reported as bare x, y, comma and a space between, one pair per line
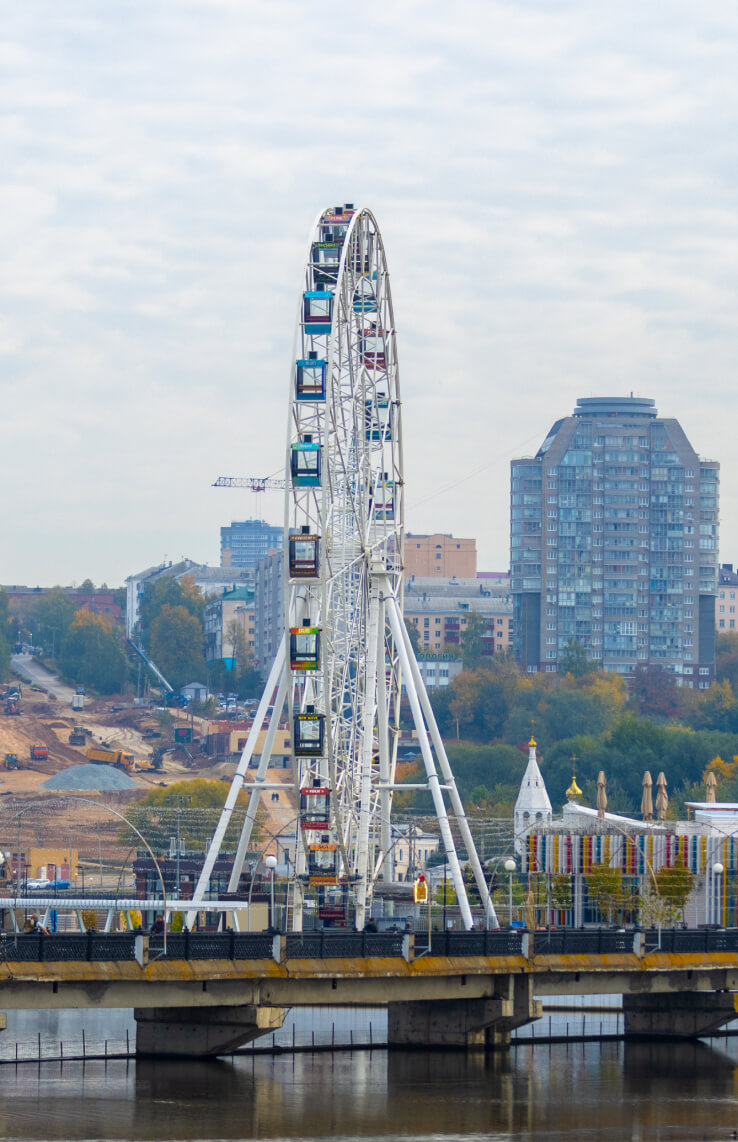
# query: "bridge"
204, 994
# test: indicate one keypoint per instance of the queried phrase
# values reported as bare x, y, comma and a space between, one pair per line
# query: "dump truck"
78, 701
116, 757
78, 736
39, 752
11, 761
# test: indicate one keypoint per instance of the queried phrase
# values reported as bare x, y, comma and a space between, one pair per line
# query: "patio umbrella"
530, 910
662, 798
711, 794
601, 795
647, 798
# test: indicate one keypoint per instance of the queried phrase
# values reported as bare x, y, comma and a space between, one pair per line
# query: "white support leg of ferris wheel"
407, 657
367, 746
255, 798
385, 858
456, 802
278, 670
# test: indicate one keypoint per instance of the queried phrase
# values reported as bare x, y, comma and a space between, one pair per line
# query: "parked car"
36, 882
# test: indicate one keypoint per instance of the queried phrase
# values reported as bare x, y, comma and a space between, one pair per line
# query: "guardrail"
329, 944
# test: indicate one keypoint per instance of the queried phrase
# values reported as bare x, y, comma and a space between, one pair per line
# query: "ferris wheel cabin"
373, 349
305, 648
310, 378
315, 807
317, 310
304, 554
305, 463
378, 418
308, 730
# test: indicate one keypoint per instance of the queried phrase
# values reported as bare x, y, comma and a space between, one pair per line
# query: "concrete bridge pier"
678, 1015
464, 1024
201, 1032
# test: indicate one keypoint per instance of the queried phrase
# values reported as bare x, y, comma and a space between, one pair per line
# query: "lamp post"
718, 871
271, 864
510, 867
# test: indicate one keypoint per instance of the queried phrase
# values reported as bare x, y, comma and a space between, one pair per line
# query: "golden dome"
532, 742
573, 791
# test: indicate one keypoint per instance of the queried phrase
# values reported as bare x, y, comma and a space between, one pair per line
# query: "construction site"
48, 749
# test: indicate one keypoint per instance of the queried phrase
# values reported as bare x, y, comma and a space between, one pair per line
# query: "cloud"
556, 187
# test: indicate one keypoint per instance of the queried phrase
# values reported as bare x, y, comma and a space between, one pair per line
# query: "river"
567, 1093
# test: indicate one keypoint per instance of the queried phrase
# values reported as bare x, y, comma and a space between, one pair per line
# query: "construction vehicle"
78, 701
39, 752
11, 761
116, 757
12, 706
78, 736
171, 697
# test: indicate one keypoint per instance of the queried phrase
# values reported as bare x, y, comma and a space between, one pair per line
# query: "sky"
555, 182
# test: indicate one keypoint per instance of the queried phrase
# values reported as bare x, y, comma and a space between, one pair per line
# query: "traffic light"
420, 890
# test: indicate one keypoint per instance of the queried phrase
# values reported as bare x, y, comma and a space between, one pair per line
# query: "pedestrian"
36, 926
157, 927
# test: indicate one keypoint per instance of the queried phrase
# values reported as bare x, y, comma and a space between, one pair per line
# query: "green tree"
191, 808
169, 592
56, 611
5, 635
605, 890
726, 659
561, 894
472, 641
177, 645
92, 653
412, 631
675, 885
573, 660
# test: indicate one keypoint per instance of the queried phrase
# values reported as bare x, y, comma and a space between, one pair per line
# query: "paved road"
30, 668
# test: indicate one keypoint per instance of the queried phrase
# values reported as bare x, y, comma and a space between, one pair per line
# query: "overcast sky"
555, 182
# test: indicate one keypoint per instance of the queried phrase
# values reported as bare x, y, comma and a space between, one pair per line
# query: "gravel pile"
101, 778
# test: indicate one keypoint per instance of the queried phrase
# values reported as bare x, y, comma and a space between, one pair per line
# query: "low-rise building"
440, 610
225, 619
440, 555
726, 601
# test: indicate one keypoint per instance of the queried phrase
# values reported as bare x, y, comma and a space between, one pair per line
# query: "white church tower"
533, 806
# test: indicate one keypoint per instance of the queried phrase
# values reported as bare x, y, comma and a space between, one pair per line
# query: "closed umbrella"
647, 798
662, 798
601, 795
530, 909
711, 794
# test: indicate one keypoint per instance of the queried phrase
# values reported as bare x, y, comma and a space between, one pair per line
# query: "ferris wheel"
346, 653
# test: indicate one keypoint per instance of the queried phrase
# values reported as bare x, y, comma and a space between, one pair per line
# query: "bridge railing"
331, 944
498, 942
582, 941
342, 944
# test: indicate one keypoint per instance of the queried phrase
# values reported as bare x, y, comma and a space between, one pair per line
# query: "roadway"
30, 668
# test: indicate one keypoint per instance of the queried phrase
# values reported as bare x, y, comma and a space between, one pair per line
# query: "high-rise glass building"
614, 543
244, 543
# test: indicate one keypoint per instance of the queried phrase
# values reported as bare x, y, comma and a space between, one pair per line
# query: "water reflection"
586, 1091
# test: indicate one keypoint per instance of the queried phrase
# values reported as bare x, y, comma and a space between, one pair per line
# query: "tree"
561, 893
191, 808
656, 692
573, 660
471, 643
4, 635
56, 611
726, 659
605, 890
177, 645
675, 885
92, 653
412, 631
170, 592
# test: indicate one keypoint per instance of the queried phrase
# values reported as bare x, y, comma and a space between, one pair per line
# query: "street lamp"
510, 867
271, 864
718, 871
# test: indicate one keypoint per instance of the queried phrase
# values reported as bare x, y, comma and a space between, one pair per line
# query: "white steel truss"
346, 654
